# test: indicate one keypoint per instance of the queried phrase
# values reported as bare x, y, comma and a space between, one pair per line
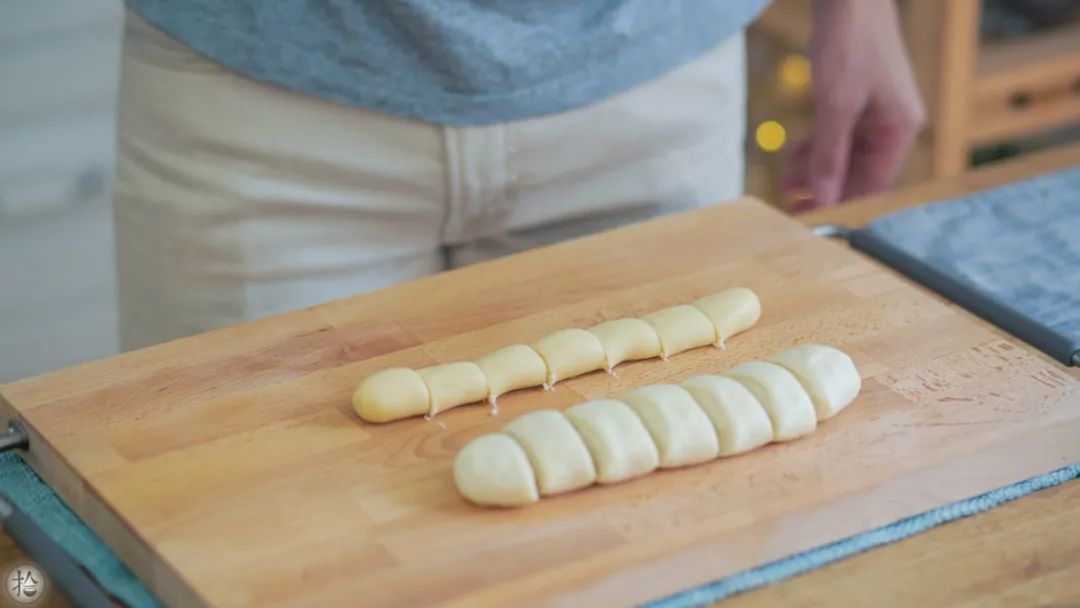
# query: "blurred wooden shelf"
1027, 85
976, 92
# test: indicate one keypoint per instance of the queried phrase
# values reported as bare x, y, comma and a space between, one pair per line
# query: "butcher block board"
228, 469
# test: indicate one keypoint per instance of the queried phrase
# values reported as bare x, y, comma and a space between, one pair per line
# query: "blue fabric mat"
815, 558
1018, 244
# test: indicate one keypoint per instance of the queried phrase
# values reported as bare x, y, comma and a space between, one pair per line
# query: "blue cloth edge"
800, 563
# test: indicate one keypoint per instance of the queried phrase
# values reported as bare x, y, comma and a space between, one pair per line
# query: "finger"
794, 172
835, 117
880, 146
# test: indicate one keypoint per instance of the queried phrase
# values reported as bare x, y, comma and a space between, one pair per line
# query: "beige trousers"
237, 200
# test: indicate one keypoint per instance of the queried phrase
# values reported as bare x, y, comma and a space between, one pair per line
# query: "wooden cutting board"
228, 469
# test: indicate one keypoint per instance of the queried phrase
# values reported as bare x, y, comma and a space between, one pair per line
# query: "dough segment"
730, 311
557, 453
740, 421
569, 353
454, 384
681, 328
400, 393
493, 470
391, 394
620, 446
511, 368
827, 374
649, 428
784, 399
626, 340
680, 429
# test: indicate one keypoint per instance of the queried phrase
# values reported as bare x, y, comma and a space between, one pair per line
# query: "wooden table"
1025, 553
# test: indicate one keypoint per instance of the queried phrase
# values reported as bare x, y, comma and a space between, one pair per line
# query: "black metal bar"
1007, 318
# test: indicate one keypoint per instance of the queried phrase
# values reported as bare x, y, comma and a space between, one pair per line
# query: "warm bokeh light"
770, 136
794, 73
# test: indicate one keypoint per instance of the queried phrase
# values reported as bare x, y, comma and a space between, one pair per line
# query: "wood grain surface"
228, 470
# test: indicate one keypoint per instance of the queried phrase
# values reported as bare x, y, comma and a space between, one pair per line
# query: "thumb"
835, 123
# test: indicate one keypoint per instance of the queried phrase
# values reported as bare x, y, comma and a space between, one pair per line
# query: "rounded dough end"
828, 375
391, 394
493, 470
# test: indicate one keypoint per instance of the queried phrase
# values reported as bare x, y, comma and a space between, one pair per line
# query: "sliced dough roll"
827, 374
511, 368
569, 353
784, 399
681, 328
682, 432
493, 470
626, 340
621, 448
393, 393
731, 311
741, 422
558, 455
454, 384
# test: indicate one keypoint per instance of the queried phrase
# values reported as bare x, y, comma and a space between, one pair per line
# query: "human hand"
867, 105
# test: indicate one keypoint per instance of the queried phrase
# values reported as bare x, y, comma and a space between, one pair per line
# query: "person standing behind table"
275, 155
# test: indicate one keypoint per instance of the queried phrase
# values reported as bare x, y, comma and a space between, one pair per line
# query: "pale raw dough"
681, 328
454, 384
730, 311
569, 353
391, 394
740, 420
557, 453
511, 368
789, 407
626, 340
560, 355
680, 429
621, 448
493, 470
545, 453
827, 374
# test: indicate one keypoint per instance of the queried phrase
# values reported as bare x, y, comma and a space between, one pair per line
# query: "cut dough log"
560, 355
493, 470
391, 394
681, 328
621, 448
680, 429
569, 353
741, 422
784, 399
730, 311
626, 340
511, 368
653, 426
454, 384
557, 453
827, 374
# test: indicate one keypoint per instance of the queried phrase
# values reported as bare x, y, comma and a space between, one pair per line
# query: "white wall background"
58, 80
